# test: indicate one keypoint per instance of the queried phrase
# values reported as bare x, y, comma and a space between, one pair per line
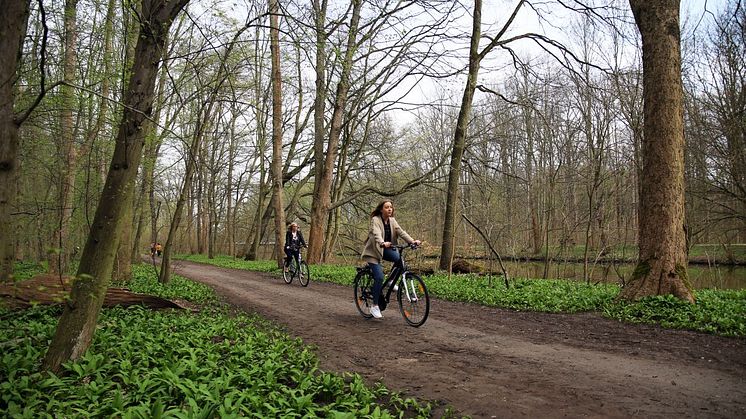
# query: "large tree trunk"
13, 18
459, 142
662, 266
322, 200
319, 107
78, 322
274, 35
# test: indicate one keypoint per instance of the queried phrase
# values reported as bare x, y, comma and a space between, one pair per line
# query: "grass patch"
172, 363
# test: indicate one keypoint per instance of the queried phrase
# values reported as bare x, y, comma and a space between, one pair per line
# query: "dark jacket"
294, 244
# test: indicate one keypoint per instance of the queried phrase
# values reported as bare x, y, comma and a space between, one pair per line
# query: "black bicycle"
293, 268
410, 289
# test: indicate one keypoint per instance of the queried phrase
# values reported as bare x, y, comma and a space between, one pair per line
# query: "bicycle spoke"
414, 302
363, 295
304, 275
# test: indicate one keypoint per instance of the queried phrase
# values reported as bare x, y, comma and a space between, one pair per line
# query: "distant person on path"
383, 235
293, 241
158, 249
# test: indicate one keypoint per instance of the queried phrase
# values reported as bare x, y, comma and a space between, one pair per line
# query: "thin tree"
274, 35
459, 139
78, 322
67, 158
662, 265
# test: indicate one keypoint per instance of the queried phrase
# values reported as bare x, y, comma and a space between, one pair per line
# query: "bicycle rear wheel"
304, 275
414, 301
364, 293
288, 271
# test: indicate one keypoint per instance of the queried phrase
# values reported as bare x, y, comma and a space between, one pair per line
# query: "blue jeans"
391, 255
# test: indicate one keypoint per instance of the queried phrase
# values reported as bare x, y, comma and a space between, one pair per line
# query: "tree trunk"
274, 35
323, 184
78, 322
13, 19
253, 239
459, 142
67, 150
183, 197
662, 266
319, 106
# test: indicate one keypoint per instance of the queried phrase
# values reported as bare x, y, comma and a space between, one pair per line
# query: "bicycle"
296, 267
411, 292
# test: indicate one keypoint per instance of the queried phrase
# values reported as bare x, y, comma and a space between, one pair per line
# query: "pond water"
702, 276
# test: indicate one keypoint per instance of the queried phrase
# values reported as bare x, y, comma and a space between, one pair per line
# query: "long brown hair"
377, 212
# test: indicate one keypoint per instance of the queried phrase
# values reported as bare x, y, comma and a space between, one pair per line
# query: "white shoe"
396, 288
376, 312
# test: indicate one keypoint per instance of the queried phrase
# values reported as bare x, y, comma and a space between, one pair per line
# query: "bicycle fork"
409, 288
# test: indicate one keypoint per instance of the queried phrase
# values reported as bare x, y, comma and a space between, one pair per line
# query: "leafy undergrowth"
720, 312
144, 364
26, 270
144, 281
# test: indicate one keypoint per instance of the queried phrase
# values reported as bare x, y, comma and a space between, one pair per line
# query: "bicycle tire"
287, 271
414, 300
304, 274
363, 293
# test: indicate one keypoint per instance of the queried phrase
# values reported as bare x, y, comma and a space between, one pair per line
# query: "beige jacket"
373, 252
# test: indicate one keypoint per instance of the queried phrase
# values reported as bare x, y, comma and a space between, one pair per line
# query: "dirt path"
487, 362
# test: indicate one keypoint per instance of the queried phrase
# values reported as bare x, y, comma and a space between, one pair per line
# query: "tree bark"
274, 35
78, 322
319, 107
447, 249
325, 169
67, 156
662, 266
13, 19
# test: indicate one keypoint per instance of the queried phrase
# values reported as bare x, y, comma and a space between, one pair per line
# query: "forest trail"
488, 362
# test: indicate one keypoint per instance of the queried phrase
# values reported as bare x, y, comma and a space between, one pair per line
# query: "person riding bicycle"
293, 241
383, 235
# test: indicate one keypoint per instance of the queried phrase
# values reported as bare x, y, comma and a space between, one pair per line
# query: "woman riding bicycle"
293, 241
383, 234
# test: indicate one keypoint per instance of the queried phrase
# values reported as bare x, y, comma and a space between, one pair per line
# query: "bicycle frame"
296, 268
410, 290
396, 277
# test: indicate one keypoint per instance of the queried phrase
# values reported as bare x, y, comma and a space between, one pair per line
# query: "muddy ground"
493, 363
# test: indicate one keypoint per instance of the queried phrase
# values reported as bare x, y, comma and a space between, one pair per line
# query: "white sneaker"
376, 312
396, 288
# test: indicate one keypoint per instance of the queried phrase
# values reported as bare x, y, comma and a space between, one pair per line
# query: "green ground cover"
169, 363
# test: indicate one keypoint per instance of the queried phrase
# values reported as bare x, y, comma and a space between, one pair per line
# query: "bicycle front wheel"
364, 293
288, 270
414, 301
304, 275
